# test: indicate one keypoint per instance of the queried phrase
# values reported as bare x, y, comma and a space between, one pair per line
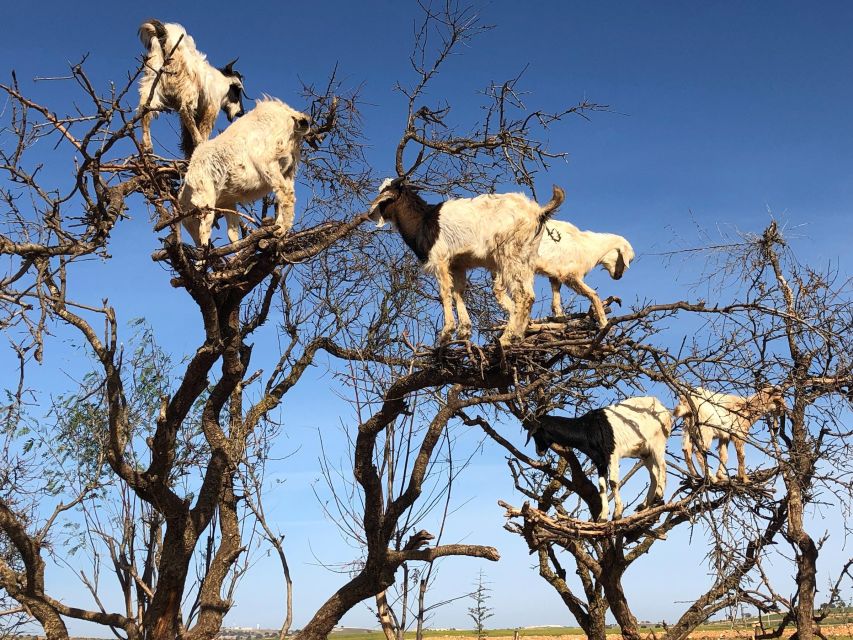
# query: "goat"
724, 418
633, 428
498, 232
255, 155
186, 83
567, 254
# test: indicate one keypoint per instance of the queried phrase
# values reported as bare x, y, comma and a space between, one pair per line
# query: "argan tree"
164, 445
784, 323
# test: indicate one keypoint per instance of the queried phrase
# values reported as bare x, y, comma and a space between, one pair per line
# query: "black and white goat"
255, 155
567, 254
632, 428
498, 232
187, 84
725, 418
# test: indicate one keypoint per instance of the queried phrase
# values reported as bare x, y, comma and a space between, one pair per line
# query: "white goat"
188, 84
724, 418
632, 428
498, 232
567, 254
255, 155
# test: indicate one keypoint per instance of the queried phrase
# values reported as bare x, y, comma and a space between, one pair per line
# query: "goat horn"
228, 69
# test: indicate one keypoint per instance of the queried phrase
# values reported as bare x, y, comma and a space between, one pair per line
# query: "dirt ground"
833, 631
830, 631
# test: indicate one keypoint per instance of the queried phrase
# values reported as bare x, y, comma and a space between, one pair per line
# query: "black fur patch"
619, 271
162, 34
187, 144
591, 434
416, 220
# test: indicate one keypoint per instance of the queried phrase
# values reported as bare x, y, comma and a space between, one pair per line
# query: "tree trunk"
52, 623
383, 612
162, 619
612, 568
596, 628
798, 475
366, 584
422, 588
806, 587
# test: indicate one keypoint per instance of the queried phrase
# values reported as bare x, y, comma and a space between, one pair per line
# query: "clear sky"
720, 113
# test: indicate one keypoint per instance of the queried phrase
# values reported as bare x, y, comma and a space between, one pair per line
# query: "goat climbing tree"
790, 325
167, 444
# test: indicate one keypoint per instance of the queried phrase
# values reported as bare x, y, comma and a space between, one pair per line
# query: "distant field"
464, 633
837, 627
840, 628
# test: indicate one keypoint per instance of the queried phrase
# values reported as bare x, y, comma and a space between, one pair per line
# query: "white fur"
641, 427
567, 254
724, 418
254, 156
188, 85
496, 232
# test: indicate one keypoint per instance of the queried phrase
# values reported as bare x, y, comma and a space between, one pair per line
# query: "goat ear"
374, 212
396, 183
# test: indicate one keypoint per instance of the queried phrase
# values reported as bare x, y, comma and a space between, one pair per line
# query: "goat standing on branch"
567, 254
724, 418
632, 428
498, 232
255, 155
178, 77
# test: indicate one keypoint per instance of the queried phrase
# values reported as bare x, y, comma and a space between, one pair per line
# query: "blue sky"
720, 113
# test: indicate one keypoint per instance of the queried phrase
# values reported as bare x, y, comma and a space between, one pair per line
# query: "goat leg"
188, 120
741, 462
445, 290
146, 132
460, 283
556, 301
285, 204
580, 287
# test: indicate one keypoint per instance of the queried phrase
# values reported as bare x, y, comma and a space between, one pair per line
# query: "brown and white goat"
567, 254
254, 156
498, 232
177, 77
724, 418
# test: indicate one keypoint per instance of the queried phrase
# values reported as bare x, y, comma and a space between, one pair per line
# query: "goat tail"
187, 143
150, 30
557, 198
